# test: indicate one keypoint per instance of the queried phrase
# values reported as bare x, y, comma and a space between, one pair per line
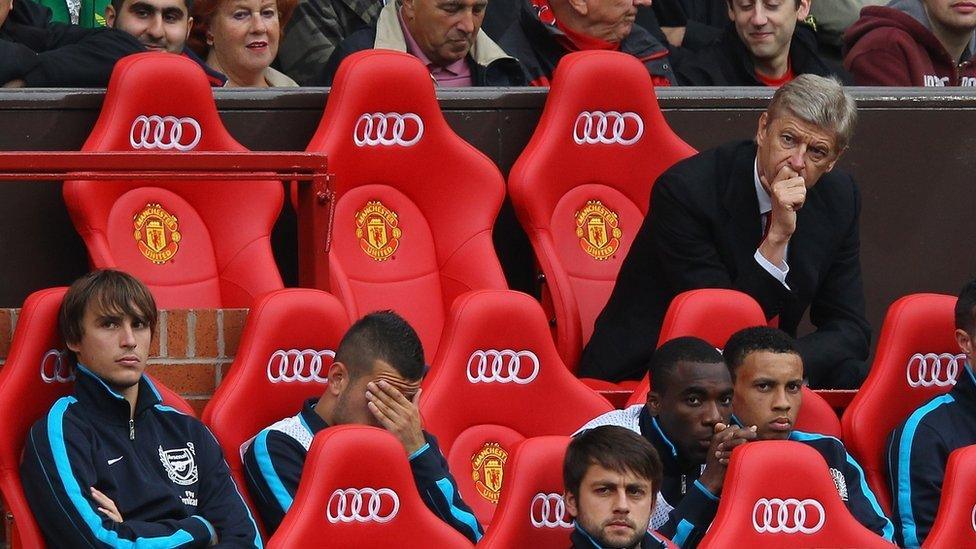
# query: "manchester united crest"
377, 230
596, 227
157, 233
487, 469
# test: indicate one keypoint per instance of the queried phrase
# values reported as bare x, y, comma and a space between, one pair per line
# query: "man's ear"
729, 10
110, 16
408, 9
965, 342
653, 403
762, 129
570, 501
580, 7
338, 378
803, 10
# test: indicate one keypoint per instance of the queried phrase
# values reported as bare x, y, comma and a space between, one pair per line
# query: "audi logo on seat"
974, 518
548, 511
363, 505
608, 128
55, 368
388, 128
165, 133
931, 369
505, 366
299, 366
789, 516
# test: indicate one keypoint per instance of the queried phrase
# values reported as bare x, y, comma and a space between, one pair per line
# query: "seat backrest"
284, 355
37, 372
916, 359
496, 380
194, 243
955, 523
796, 506
415, 203
357, 490
582, 184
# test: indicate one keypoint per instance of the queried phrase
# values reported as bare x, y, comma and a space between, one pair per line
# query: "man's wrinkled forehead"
407, 387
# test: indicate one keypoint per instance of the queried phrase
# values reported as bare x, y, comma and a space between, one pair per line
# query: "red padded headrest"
357, 490
159, 102
798, 506
955, 524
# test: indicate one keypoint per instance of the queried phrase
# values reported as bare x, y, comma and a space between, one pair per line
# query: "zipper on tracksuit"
132, 429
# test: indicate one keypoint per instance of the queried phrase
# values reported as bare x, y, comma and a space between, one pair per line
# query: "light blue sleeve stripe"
213, 533
909, 533
467, 518
55, 433
419, 451
888, 530
268, 471
706, 491
682, 532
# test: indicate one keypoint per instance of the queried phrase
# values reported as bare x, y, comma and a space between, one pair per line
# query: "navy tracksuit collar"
91, 391
652, 431
965, 388
312, 420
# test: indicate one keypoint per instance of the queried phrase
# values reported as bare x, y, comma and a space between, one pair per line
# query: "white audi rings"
299, 366
389, 128
505, 366
608, 128
165, 133
548, 511
933, 370
56, 368
789, 516
363, 505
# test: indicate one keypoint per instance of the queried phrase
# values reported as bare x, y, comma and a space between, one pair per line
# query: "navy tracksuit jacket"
164, 470
273, 463
580, 539
918, 451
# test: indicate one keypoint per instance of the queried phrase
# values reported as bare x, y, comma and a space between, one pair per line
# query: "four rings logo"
299, 366
389, 128
931, 369
611, 127
505, 366
788, 516
549, 511
974, 518
165, 133
56, 368
363, 505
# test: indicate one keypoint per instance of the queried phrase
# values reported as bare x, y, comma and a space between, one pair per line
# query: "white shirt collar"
765, 203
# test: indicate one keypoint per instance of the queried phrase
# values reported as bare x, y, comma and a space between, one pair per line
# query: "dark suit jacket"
702, 231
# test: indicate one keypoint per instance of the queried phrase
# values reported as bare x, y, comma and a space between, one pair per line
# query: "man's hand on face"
725, 439
396, 414
106, 506
787, 193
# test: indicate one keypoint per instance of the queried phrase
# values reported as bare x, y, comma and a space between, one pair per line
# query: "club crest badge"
157, 233
598, 231
377, 230
180, 464
487, 470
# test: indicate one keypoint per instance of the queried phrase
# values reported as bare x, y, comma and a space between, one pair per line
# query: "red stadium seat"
581, 186
416, 203
284, 356
496, 380
916, 359
955, 523
37, 372
357, 490
779, 494
194, 243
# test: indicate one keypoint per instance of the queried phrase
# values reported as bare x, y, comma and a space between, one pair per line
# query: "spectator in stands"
764, 46
686, 419
546, 30
111, 465
731, 217
374, 380
612, 478
833, 19
919, 449
239, 38
444, 34
37, 52
767, 374
913, 43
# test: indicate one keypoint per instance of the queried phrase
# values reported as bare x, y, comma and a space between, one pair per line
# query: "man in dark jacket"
110, 465
763, 46
36, 52
919, 449
913, 43
374, 380
445, 36
314, 31
546, 30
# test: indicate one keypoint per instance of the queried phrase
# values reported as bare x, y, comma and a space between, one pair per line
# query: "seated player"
374, 380
686, 419
919, 449
110, 466
767, 374
612, 477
